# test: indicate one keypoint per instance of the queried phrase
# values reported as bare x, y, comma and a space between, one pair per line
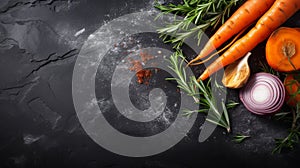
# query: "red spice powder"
143, 75
145, 56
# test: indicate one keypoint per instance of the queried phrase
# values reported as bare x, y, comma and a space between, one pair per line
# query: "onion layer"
263, 94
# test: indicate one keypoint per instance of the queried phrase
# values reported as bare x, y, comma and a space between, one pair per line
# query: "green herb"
202, 13
283, 116
292, 138
291, 84
231, 104
290, 117
202, 93
266, 68
240, 138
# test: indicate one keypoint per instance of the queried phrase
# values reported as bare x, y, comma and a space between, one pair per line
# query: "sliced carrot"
283, 49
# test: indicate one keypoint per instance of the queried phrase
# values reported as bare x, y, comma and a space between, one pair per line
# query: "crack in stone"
16, 90
48, 3
7, 43
34, 3
30, 4
15, 5
45, 59
20, 86
32, 100
48, 61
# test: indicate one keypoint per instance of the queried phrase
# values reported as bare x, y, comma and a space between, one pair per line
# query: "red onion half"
263, 94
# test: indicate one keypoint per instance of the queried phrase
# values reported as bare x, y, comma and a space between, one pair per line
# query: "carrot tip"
203, 76
192, 61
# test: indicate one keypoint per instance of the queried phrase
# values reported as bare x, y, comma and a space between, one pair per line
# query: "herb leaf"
239, 138
292, 138
202, 93
203, 13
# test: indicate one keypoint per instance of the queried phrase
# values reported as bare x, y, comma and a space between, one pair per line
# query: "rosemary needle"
239, 138
202, 13
292, 138
202, 93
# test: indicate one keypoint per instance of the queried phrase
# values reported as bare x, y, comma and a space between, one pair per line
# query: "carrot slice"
283, 49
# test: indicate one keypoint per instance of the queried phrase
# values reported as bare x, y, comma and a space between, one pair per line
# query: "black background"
38, 123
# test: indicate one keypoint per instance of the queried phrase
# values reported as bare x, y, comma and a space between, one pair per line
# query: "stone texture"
39, 43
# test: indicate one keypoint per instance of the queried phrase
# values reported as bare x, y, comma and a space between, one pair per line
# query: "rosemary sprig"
266, 68
231, 104
239, 138
283, 116
202, 13
293, 137
202, 93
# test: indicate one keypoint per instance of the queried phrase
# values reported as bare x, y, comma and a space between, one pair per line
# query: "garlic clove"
237, 74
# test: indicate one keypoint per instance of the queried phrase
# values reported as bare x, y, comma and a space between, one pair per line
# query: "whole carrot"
280, 11
243, 17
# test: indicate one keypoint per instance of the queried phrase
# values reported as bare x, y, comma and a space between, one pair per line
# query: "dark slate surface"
38, 123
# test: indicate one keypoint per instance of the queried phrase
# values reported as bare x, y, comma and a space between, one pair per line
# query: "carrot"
282, 49
292, 87
280, 11
242, 18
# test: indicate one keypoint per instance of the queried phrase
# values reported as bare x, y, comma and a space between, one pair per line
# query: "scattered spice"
136, 65
146, 56
143, 75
